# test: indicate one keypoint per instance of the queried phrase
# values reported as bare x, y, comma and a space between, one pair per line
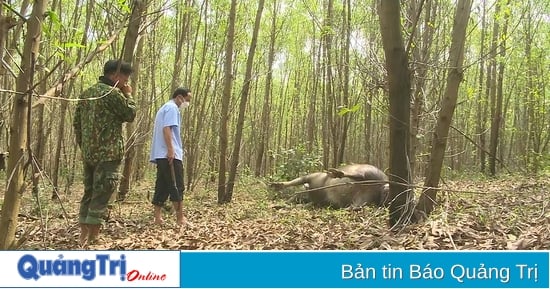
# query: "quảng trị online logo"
29, 267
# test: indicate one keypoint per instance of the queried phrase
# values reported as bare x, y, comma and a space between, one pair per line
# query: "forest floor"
499, 214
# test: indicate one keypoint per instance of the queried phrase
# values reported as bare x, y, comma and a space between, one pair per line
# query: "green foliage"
293, 162
124, 5
73, 45
54, 18
345, 110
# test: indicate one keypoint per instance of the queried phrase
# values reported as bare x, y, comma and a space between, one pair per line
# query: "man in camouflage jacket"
98, 123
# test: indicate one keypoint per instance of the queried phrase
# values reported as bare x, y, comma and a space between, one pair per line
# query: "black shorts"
164, 185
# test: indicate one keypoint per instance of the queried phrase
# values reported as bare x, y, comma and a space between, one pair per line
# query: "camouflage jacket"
98, 122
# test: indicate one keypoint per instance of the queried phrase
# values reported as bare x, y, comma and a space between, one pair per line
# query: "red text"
135, 275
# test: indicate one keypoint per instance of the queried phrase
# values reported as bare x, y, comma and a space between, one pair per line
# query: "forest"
447, 97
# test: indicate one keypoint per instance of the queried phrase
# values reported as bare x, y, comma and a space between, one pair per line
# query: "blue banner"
274, 269
364, 269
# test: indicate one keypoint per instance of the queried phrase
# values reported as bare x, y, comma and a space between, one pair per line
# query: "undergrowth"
510, 212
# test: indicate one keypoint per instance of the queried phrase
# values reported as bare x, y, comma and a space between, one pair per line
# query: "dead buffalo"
352, 185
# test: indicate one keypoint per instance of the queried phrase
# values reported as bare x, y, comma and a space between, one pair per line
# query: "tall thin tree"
481, 105
399, 84
130, 43
263, 142
496, 117
18, 126
226, 99
427, 200
421, 57
65, 104
242, 105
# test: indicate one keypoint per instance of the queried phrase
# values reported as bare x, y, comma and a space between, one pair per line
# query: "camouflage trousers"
100, 182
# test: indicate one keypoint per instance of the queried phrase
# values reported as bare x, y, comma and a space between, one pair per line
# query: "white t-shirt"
168, 115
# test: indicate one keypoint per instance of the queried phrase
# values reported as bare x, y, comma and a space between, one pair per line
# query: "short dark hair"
181, 91
113, 65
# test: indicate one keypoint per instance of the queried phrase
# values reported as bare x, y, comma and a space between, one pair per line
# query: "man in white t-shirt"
167, 153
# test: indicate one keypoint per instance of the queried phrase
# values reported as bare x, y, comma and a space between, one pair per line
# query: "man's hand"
171, 155
126, 89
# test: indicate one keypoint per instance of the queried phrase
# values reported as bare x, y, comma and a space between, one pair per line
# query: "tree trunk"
58, 146
535, 119
399, 94
145, 119
368, 127
226, 99
18, 127
38, 151
345, 119
496, 124
312, 120
261, 166
182, 37
496, 116
130, 43
490, 89
330, 96
448, 104
63, 109
242, 106
480, 99
6, 23
198, 128
421, 55
187, 66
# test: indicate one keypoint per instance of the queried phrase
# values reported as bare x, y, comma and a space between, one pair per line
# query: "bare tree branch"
53, 91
